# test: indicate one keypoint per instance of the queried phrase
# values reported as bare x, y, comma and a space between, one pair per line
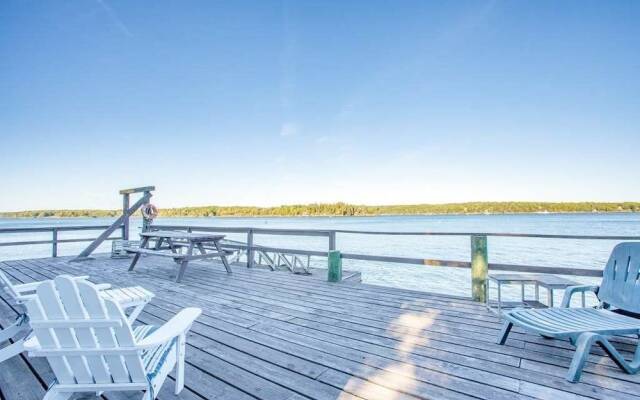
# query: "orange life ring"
149, 211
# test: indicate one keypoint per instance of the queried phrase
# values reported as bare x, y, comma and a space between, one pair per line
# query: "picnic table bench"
176, 240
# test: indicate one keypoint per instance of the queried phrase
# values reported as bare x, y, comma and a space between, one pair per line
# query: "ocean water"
531, 251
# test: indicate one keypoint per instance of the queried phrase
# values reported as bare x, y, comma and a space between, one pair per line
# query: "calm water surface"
546, 252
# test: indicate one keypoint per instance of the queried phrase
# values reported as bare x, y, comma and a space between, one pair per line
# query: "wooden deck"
279, 336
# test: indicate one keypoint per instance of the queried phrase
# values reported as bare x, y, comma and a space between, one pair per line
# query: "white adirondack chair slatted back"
621, 278
67, 302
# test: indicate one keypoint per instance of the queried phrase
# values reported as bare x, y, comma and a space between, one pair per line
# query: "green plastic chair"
619, 296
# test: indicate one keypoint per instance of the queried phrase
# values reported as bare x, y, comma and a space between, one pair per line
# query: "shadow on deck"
278, 336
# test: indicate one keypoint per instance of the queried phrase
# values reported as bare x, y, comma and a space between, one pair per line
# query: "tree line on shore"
344, 209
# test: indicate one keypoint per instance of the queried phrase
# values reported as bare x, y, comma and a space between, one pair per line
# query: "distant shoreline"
337, 216
352, 210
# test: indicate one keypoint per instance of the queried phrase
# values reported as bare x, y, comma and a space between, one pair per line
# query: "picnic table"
175, 241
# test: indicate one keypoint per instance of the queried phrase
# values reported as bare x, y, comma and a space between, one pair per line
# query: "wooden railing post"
332, 240
334, 259
54, 243
250, 248
125, 224
479, 268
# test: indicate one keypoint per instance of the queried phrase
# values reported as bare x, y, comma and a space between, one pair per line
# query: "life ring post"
122, 222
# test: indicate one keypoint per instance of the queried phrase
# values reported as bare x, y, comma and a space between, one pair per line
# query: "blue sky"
266, 103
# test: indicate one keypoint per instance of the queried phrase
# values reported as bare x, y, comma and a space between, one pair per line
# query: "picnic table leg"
171, 246
136, 257
158, 243
201, 248
222, 256
184, 262
182, 268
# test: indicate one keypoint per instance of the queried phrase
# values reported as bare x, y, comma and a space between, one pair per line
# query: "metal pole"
479, 268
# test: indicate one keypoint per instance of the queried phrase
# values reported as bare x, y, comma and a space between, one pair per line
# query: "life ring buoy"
149, 211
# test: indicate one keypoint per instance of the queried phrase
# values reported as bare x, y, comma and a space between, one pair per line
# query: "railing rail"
331, 235
58, 228
332, 246
55, 239
495, 234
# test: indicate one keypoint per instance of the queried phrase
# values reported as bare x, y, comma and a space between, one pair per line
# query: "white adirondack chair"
135, 297
91, 346
19, 292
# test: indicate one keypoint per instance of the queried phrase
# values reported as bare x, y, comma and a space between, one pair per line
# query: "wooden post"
334, 259
54, 243
146, 222
332, 240
250, 248
125, 224
479, 268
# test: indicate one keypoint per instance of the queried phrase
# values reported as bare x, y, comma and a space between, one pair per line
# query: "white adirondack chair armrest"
571, 290
23, 298
25, 288
99, 286
176, 326
103, 286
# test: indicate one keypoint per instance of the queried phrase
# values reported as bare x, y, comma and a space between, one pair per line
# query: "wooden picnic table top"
188, 236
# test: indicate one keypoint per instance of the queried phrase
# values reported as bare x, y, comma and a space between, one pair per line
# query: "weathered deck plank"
274, 335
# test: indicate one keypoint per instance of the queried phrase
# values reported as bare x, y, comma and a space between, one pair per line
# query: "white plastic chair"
619, 296
91, 346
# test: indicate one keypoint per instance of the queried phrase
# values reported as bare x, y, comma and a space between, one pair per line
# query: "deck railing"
478, 262
55, 240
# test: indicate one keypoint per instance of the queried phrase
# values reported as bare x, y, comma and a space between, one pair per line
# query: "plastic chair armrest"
571, 290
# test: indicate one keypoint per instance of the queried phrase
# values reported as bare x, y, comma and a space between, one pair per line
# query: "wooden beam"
118, 223
138, 190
